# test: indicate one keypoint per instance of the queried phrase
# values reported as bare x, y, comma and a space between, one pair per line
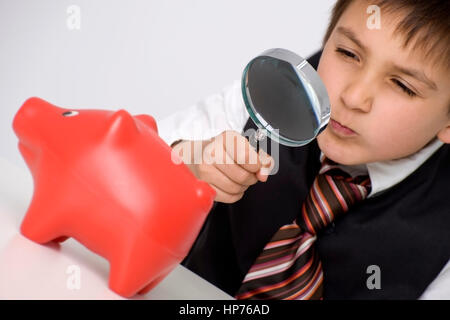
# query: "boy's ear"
444, 134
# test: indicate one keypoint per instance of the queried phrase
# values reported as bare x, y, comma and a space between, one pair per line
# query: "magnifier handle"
254, 142
256, 137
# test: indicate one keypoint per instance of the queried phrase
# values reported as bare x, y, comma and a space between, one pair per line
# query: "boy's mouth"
340, 129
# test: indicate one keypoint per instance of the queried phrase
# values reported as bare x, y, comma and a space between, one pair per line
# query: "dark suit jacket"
405, 231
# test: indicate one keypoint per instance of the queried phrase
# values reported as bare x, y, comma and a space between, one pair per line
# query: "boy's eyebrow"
352, 36
419, 75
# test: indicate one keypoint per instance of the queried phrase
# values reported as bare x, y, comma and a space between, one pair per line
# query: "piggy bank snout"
28, 111
33, 117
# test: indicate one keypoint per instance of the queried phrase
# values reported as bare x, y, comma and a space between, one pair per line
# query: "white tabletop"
68, 270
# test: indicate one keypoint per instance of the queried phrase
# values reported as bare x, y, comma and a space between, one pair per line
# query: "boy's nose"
357, 95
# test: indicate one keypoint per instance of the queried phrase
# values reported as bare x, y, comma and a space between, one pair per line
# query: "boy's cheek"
388, 140
333, 77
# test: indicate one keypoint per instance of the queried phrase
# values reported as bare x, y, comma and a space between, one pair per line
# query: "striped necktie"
289, 267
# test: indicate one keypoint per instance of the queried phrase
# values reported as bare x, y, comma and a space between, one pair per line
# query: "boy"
390, 118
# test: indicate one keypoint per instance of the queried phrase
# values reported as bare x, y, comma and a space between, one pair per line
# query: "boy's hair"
425, 23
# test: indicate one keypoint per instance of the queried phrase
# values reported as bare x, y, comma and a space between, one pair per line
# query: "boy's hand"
227, 162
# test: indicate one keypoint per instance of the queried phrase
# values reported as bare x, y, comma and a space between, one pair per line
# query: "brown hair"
425, 21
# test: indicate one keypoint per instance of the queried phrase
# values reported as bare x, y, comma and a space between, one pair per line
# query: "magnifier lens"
279, 96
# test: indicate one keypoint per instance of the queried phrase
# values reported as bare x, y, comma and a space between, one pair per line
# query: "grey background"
153, 57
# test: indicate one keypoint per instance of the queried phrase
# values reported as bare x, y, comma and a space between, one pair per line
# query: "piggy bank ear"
148, 120
121, 128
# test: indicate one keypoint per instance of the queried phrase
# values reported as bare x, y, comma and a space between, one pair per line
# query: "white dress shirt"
226, 111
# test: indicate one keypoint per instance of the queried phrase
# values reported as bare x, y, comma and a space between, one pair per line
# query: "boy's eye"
407, 90
346, 54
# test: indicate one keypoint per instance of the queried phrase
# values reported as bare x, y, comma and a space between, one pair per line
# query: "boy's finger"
235, 172
225, 183
240, 150
222, 196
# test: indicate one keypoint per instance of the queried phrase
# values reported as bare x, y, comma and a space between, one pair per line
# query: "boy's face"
367, 94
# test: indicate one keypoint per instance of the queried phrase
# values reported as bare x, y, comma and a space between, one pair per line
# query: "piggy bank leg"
135, 268
60, 239
154, 283
41, 225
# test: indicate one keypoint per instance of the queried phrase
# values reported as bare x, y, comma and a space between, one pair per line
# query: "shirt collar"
385, 174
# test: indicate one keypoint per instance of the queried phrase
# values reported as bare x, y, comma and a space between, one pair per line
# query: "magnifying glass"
285, 98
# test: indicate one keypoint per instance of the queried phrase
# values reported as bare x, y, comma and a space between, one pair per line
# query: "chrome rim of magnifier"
316, 91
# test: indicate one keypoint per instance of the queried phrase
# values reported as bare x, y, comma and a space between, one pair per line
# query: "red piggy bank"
108, 180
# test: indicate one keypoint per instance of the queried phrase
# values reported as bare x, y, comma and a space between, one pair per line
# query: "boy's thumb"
261, 176
267, 163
